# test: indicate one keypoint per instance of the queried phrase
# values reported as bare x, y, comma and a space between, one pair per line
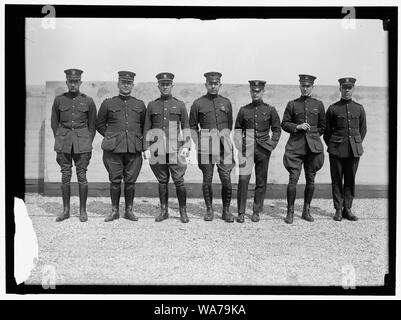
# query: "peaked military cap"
165, 76
126, 75
347, 81
257, 84
73, 74
212, 76
306, 78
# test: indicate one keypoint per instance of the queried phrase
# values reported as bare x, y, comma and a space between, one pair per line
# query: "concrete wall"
40, 157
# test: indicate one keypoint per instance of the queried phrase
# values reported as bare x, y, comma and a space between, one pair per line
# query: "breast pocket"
205, 116
313, 117
341, 121
222, 114
175, 114
82, 112
115, 113
299, 117
137, 113
64, 108
265, 117
156, 116
355, 121
248, 120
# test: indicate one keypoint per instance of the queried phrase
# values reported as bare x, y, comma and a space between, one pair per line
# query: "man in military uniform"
345, 131
304, 119
120, 121
253, 123
73, 123
167, 143
211, 120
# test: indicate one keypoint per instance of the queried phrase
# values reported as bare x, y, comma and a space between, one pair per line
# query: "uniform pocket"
313, 117
59, 138
84, 141
336, 139
358, 144
205, 115
156, 116
354, 121
341, 121
83, 108
175, 114
64, 108
109, 142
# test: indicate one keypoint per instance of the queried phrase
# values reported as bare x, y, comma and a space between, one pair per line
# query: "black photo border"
15, 99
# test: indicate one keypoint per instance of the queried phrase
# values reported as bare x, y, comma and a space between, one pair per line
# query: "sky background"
241, 49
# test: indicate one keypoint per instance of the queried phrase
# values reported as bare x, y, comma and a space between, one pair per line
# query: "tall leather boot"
83, 196
66, 195
129, 193
182, 200
208, 196
309, 188
163, 196
226, 194
115, 192
291, 194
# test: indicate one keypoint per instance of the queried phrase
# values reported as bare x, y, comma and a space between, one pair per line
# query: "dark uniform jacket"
261, 117
120, 120
345, 129
298, 111
170, 116
210, 112
73, 122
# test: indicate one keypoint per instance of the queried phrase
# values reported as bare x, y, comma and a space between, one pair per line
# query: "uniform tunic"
211, 121
345, 131
73, 124
166, 132
304, 147
253, 124
120, 121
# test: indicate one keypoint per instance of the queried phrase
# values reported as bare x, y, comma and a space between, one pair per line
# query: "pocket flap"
83, 108
62, 131
110, 135
115, 109
82, 133
336, 139
175, 111
137, 109
64, 108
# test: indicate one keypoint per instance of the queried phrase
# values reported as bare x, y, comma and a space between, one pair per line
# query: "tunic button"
72, 128
126, 130
72, 121
73, 113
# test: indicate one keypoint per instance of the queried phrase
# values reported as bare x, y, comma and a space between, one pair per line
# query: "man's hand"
184, 152
146, 154
304, 126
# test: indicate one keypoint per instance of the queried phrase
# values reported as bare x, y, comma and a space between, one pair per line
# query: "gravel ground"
217, 253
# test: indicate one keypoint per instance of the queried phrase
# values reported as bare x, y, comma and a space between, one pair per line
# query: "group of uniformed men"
162, 133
